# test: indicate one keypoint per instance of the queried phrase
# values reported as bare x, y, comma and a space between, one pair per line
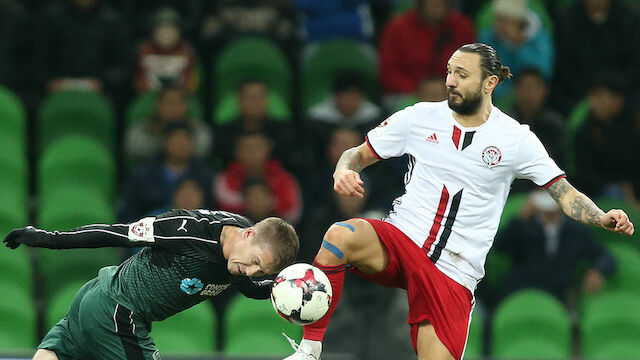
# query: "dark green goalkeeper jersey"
180, 265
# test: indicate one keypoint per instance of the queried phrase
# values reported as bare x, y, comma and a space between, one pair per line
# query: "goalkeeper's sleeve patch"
142, 230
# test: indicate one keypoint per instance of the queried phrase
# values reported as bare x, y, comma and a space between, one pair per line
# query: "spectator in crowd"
518, 36
150, 187
226, 20
134, 10
318, 187
594, 36
605, 134
530, 107
144, 140
417, 45
259, 202
348, 107
252, 102
84, 45
547, 249
252, 159
166, 59
329, 19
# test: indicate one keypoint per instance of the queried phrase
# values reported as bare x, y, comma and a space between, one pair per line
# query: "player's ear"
490, 83
249, 233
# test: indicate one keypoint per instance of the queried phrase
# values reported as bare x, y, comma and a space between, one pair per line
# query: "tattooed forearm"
352, 160
575, 204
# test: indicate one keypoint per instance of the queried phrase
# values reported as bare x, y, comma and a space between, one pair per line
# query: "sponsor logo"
213, 289
191, 286
491, 156
383, 124
433, 139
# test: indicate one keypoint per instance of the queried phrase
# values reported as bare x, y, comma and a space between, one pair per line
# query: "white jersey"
458, 180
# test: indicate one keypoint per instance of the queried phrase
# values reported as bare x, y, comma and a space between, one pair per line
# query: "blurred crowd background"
113, 110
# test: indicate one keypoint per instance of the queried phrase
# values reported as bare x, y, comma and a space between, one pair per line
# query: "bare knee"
336, 243
44, 354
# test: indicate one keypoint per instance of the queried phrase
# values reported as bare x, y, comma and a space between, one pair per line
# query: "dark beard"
468, 106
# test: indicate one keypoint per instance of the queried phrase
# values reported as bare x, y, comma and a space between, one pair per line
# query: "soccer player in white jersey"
464, 154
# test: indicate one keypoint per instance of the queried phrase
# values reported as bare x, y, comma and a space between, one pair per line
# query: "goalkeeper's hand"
25, 235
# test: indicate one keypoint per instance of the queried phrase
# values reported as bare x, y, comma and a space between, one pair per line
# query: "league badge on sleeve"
142, 230
491, 156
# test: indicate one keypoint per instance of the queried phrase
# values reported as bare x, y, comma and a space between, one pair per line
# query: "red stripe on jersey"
552, 181
366, 139
437, 221
456, 136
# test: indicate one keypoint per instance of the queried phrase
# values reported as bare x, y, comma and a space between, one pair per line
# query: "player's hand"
617, 221
265, 283
348, 183
18, 236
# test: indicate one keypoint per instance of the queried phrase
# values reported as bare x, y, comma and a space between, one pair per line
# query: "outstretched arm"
346, 180
580, 208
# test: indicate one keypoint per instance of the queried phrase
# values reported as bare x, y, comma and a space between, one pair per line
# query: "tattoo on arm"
351, 159
575, 204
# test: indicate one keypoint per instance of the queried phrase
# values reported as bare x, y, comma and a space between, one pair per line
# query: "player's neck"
228, 237
478, 118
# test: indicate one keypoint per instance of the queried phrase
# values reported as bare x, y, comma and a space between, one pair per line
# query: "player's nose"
450, 81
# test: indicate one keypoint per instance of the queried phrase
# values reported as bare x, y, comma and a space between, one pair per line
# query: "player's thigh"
429, 346
43, 354
355, 242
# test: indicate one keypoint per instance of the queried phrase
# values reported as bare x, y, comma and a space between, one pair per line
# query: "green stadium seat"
533, 348
60, 268
617, 350
244, 336
609, 318
68, 207
16, 268
485, 18
527, 315
13, 165
190, 332
252, 57
58, 306
227, 109
512, 208
627, 275
77, 160
13, 116
13, 209
475, 340
321, 67
143, 107
76, 112
17, 318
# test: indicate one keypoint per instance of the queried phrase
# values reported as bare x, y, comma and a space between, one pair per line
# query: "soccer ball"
301, 294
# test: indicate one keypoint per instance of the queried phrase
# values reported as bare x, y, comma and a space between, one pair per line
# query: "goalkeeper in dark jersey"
187, 257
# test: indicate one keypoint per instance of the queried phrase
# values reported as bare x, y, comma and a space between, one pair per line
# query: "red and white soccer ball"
301, 294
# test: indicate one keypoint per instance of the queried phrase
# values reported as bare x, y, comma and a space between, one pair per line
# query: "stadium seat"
192, 331
68, 207
76, 112
244, 336
321, 67
531, 315
627, 275
252, 57
58, 305
617, 350
609, 318
13, 165
13, 208
512, 208
17, 318
475, 340
76, 160
16, 269
227, 109
13, 116
143, 107
533, 348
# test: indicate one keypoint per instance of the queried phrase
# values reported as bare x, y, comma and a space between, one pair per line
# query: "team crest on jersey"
491, 156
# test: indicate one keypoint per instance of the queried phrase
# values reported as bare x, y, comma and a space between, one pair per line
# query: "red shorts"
433, 296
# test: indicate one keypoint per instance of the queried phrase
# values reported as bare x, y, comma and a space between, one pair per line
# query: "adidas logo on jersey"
433, 139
